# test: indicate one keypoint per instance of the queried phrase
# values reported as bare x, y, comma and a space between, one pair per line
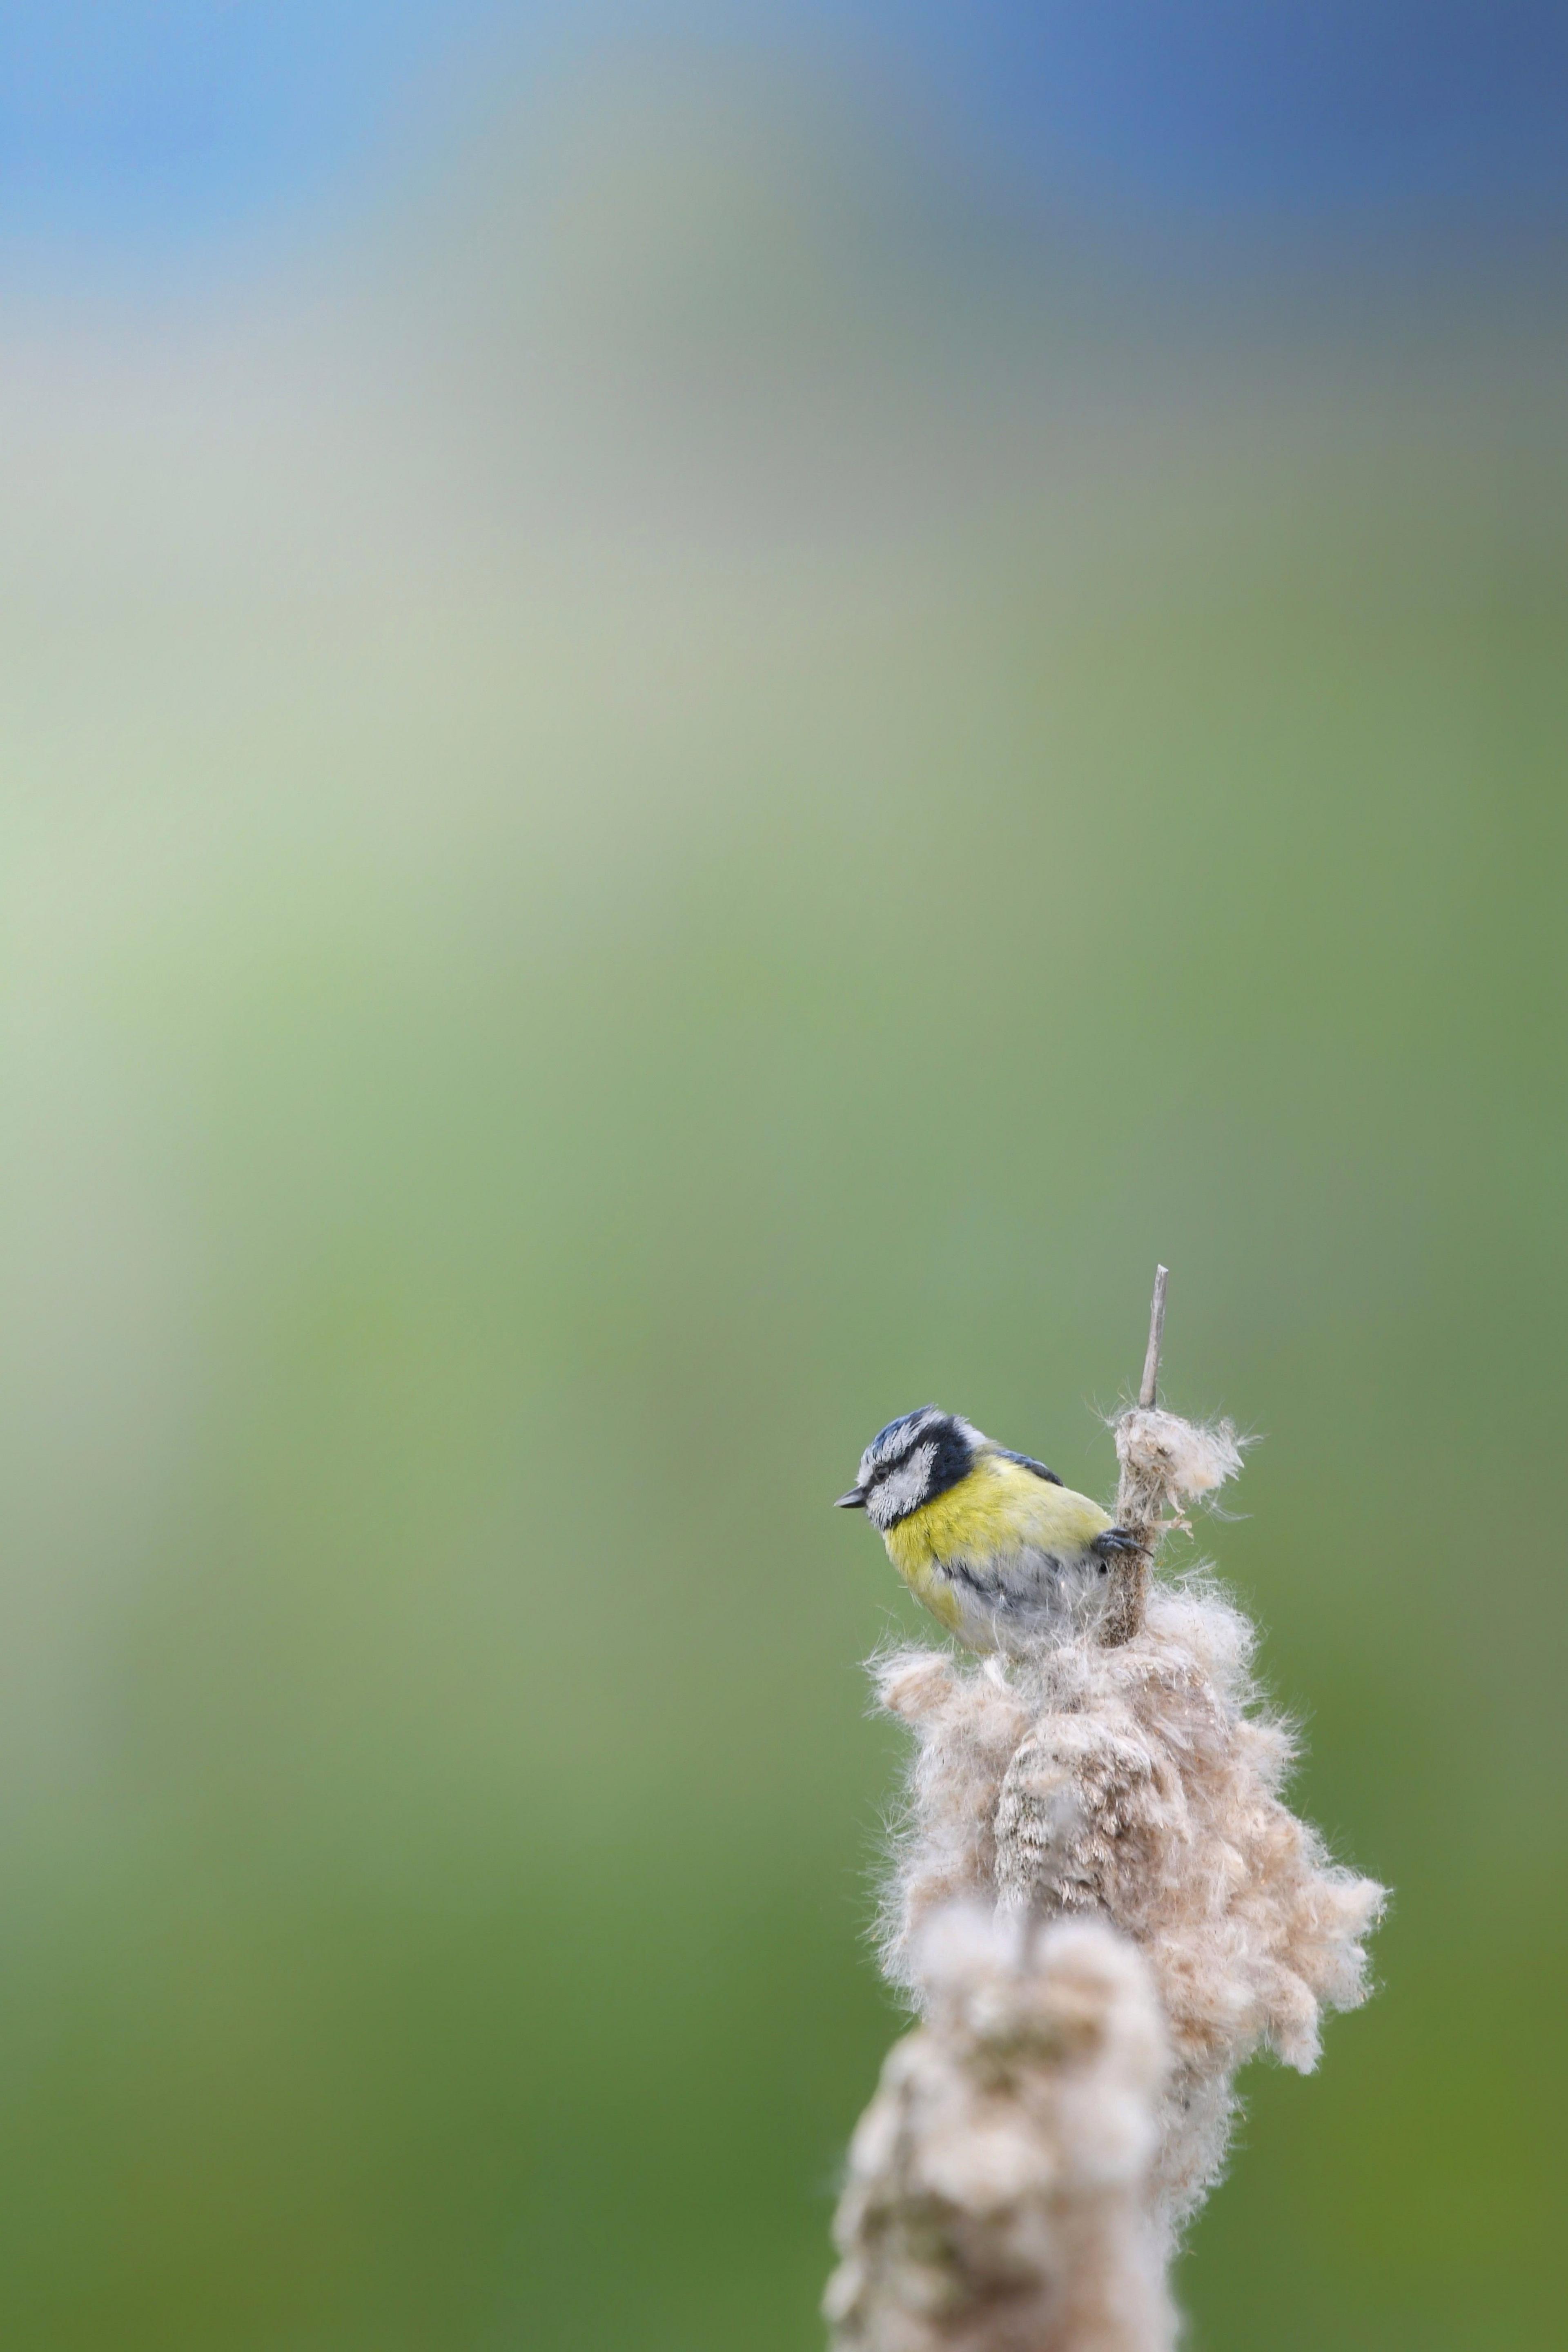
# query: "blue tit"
993, 1543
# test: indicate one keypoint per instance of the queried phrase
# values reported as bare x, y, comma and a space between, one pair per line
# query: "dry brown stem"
1140, 1496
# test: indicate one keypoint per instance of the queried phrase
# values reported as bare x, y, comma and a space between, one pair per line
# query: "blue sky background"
155, 129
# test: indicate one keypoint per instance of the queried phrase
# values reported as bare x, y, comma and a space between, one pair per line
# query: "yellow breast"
1000, 1508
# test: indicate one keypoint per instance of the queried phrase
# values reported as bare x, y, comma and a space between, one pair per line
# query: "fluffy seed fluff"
1131, 1781
1184, 1458
997, 2199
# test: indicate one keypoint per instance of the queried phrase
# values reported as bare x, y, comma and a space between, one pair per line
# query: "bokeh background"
707, 712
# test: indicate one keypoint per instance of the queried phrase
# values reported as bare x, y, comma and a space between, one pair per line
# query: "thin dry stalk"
1141, 1495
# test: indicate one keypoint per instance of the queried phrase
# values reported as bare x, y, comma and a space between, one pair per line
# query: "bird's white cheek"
903, 1489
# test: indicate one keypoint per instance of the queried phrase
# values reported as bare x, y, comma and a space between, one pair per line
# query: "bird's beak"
855, 1500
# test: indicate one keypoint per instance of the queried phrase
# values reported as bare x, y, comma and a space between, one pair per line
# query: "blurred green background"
675, 780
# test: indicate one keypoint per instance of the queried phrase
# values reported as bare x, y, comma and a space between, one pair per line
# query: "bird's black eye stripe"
885, 1469
938, 1441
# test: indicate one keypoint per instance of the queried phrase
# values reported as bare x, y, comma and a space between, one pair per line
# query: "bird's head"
914, 1459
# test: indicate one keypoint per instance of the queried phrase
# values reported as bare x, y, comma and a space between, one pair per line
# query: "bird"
990, 1541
